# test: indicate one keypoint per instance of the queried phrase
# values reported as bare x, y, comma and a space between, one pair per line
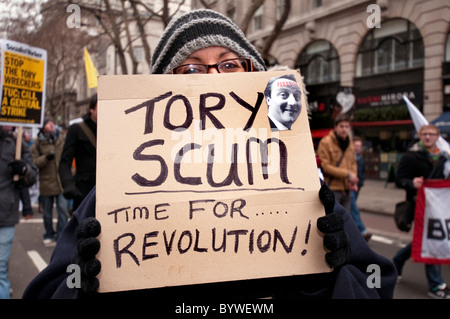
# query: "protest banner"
22, 85
431, 239
193, 185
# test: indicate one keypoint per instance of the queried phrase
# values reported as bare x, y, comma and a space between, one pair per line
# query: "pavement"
377, 196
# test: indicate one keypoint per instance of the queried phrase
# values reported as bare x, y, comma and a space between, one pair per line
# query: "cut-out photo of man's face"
283, 96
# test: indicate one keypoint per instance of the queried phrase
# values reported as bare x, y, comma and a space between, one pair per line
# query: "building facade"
362, 57
105, 53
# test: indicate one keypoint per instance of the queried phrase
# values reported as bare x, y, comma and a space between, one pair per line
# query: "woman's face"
209, 56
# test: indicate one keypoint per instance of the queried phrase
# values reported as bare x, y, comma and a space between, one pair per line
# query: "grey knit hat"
197, 30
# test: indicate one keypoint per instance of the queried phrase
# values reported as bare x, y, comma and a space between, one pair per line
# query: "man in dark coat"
422, 160
80, 145
10, 196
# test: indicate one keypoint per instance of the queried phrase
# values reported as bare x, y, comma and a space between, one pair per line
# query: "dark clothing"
9, 190
361, 170
417, 162
78, 146
41, 150
26, 200
348, 281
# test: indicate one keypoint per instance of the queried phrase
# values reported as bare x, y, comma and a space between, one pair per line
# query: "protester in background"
81, 140
46, 153
338, 160
422, 160
25, 200
25, 197
357, 144
10, 197
204, 41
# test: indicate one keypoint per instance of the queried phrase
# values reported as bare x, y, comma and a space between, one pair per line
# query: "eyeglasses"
428, 134
227, 66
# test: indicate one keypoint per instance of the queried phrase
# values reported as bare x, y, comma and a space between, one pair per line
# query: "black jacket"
348, 281
78, 146
415, 163
9, 190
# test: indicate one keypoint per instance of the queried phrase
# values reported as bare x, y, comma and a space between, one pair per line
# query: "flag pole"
18, 155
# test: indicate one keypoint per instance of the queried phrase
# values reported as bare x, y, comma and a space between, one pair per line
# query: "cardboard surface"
184, 195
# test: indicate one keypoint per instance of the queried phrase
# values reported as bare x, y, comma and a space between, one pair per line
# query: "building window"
447, 49
396, 46
316, 3
257, 19
281, 6
138, 53
319, 63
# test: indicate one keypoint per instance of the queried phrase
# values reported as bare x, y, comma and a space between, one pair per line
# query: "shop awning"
383, 123
319, 133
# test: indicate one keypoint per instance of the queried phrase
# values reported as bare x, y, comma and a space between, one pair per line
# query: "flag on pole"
419, 120
91, 71
430, 240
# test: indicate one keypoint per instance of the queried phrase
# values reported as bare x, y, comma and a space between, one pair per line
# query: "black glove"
50, 156
71, 192
87, 247
18, 167
332, 225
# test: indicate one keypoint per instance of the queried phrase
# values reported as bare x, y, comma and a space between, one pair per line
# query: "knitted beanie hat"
197, 30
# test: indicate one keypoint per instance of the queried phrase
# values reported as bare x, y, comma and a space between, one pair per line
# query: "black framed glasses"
227, 66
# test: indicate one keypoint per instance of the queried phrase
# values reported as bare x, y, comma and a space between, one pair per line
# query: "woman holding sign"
206, 42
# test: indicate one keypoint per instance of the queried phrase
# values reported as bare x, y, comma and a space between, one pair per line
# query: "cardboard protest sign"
431, 239
193, 185
22, 85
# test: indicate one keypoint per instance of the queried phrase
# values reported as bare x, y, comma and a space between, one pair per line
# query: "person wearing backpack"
80, 145
422, 160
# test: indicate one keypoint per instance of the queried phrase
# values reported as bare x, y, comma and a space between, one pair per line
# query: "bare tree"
276, 30
46, 28
140, 22
116, 23
249, 14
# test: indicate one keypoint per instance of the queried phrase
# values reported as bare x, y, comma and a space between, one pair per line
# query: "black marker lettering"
189, 114
150, 105
254, 110
233, 174
119, 252
164, 171
207, 111
177, 165
146, 244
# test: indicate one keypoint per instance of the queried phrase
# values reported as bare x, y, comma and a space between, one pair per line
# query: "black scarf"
343, 143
